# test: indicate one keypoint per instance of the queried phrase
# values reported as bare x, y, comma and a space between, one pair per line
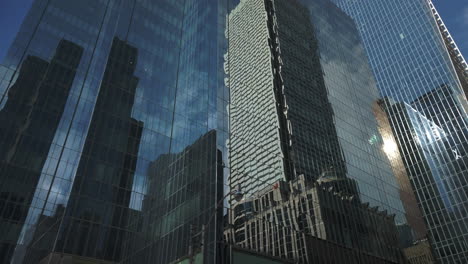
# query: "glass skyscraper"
113, 133
420, 77
461, 67
304, 49
124, 123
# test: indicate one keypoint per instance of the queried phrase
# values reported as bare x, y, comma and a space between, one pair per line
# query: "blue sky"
455, 16
453, 12
12, 13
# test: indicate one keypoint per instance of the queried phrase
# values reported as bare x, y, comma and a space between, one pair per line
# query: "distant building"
30, 118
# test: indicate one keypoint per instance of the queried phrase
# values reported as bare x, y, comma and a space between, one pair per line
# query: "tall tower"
461, 67
30, 118
420, 73
281, 119
336, 74
302, 96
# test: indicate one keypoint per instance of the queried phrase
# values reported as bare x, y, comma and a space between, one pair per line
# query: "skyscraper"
284, 55
281, 118
30, 118
419, 72
461, 67
92, 94
104, 200
177, 207
115, 129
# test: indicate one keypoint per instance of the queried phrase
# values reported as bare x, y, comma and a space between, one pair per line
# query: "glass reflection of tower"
180, 97
281, 118
30, 118
290, 81
421, 63
407, 196
435, 160
94, 220
180, 195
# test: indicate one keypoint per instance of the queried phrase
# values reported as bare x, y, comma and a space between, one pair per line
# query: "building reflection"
431, 141
285, 126
292, 220
390, 148
29, 121
93, 223
181, 190
285, 149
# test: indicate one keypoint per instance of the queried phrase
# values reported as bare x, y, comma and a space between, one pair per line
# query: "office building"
433, 167
268, 77
104, 200
281, 120
352, 93
390, 147
92, 94
30, 118
416, 64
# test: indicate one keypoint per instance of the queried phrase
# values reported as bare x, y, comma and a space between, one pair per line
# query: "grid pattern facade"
256, 155
414, 71
315, 146
293, 225
93, 94
330, 94
273, 74
461, 67
352, 92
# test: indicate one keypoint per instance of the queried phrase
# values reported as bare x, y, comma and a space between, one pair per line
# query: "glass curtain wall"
427, 109
113, 132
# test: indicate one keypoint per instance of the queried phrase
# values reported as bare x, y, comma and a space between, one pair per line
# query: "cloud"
465, 16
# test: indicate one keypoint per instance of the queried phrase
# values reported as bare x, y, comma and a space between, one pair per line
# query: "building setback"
419, 253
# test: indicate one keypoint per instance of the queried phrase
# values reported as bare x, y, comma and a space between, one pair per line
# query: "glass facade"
461, 67
289, 130
352, 92
281, 52
125, 122
427, 109
113, 133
